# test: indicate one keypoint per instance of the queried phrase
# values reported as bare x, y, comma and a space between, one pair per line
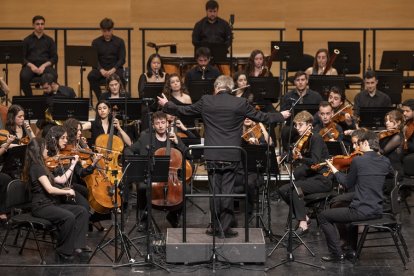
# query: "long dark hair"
71, 126
149, 69
98, 120
250, 64
52, 139
167, 86
14, 109
34, 156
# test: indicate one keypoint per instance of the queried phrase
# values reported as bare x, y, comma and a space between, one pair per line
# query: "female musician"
251, 137
320, 62
103, 121
114, 88
17, 127
175, 91
326, 127
391, 143
408, 112
4, 181
240, 80
310, 149
256, 64
155, 72
71, 220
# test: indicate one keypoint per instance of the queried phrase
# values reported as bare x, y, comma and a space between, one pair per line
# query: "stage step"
199, 245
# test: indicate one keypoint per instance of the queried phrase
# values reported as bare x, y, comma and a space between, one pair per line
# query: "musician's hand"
349, 131
173, 137
96, 158
162, 100
116, 124
253, 141
70, 192
348, 119
180, 125
285, 114
331, 166
10, 138
75, 159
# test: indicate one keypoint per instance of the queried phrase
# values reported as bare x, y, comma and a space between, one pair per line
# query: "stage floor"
384, 261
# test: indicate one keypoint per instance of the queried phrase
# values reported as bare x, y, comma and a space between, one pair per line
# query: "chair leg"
404, 244
24, 242
4, 241
394, 236
361, 242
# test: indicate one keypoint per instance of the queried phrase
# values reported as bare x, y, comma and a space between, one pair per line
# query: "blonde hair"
303, 116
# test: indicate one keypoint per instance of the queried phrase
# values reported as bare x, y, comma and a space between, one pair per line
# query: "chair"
18, 202
389, 222
408, 182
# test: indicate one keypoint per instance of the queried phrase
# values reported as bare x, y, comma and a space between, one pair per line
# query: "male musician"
408, 112
223, 116
367, 175
370, 97
111, 56
39, 54
204, 70
52, 88
300, 95
337, 100
329, 130
212, 29
159, 139
313, 151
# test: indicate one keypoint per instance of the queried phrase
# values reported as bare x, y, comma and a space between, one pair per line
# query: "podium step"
199, 245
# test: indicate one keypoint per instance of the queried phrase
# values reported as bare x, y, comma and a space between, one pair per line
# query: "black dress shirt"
111, 54
217, 32
210, 73
223, 116
311, 97
363, 99
367, 174
39, 50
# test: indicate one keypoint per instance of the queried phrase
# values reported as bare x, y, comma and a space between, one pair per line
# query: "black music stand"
199, 88
127, 108
349, 59
323, 84
218, 52
152, 90
311, 108
373, 117
391, 83
267, 88
11, 52
336, 148
64, 108
397, 60
34, 107
83, 56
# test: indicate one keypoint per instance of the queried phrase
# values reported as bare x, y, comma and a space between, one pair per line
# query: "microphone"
126, 74
151, 44
282, 75
231, 19
148, 99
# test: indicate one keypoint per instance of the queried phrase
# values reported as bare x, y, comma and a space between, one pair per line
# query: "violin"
4, 135
387, 133
329, 132
340, 162
339, 116
301, 144
253, 132
58, 160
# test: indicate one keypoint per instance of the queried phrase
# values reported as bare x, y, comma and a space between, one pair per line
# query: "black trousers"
310, 185
330, 217
26, 75
222, 178
95, 78
4, 181
342, 200
72, 223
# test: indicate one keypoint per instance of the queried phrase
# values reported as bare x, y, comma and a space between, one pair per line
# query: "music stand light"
322, 84
348, 60
34, 107
199, 88
391, 83
64, 108
267, 88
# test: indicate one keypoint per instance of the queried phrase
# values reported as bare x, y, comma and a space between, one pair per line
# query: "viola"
302, 143
329, 132
339, 116
387, 133
340, 162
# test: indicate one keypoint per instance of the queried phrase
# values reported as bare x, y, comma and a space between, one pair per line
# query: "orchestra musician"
407, 108
256, 65
223, 115
203, 70
159, 138
175, 91
114, 88
310, 149
326, 127
4, 179
321, 61
180, 129
241, 82
71, 220
366, 175
155, 72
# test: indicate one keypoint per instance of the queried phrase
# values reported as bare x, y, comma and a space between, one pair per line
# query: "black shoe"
82, 255
230, 233
173, 219
333, 258
63, 258
97, 225
301, 232
210, 232
350, 255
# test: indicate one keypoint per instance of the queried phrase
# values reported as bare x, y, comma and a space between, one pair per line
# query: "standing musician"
223, 115
326, 127
71, 220
320, 63
256, 66
114, 88
22, 132
408, 112
155, 72
367, 174
159, 137
310, 149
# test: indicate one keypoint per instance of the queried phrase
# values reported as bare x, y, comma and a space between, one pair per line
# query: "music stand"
373, 117
218, 51
335, 148
64, 108
322, 84
128, 109
311, 108
349, 59
11, 52
397, 60
391, 83
34, 107
83, 56
267, 88
15, 156
199, 88
152, 90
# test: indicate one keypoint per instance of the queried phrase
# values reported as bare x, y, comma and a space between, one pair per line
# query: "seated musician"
155, 72
320, 63
17, 127
175, 91
114, 88
313, 151
326, 127
180, 129
203, 70
240, 81
71, 220
300, 95
159, 138
367, 174
408, 112
391, 141
4, 179
256, 66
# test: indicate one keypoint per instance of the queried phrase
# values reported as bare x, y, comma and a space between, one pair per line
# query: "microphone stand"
231, 23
